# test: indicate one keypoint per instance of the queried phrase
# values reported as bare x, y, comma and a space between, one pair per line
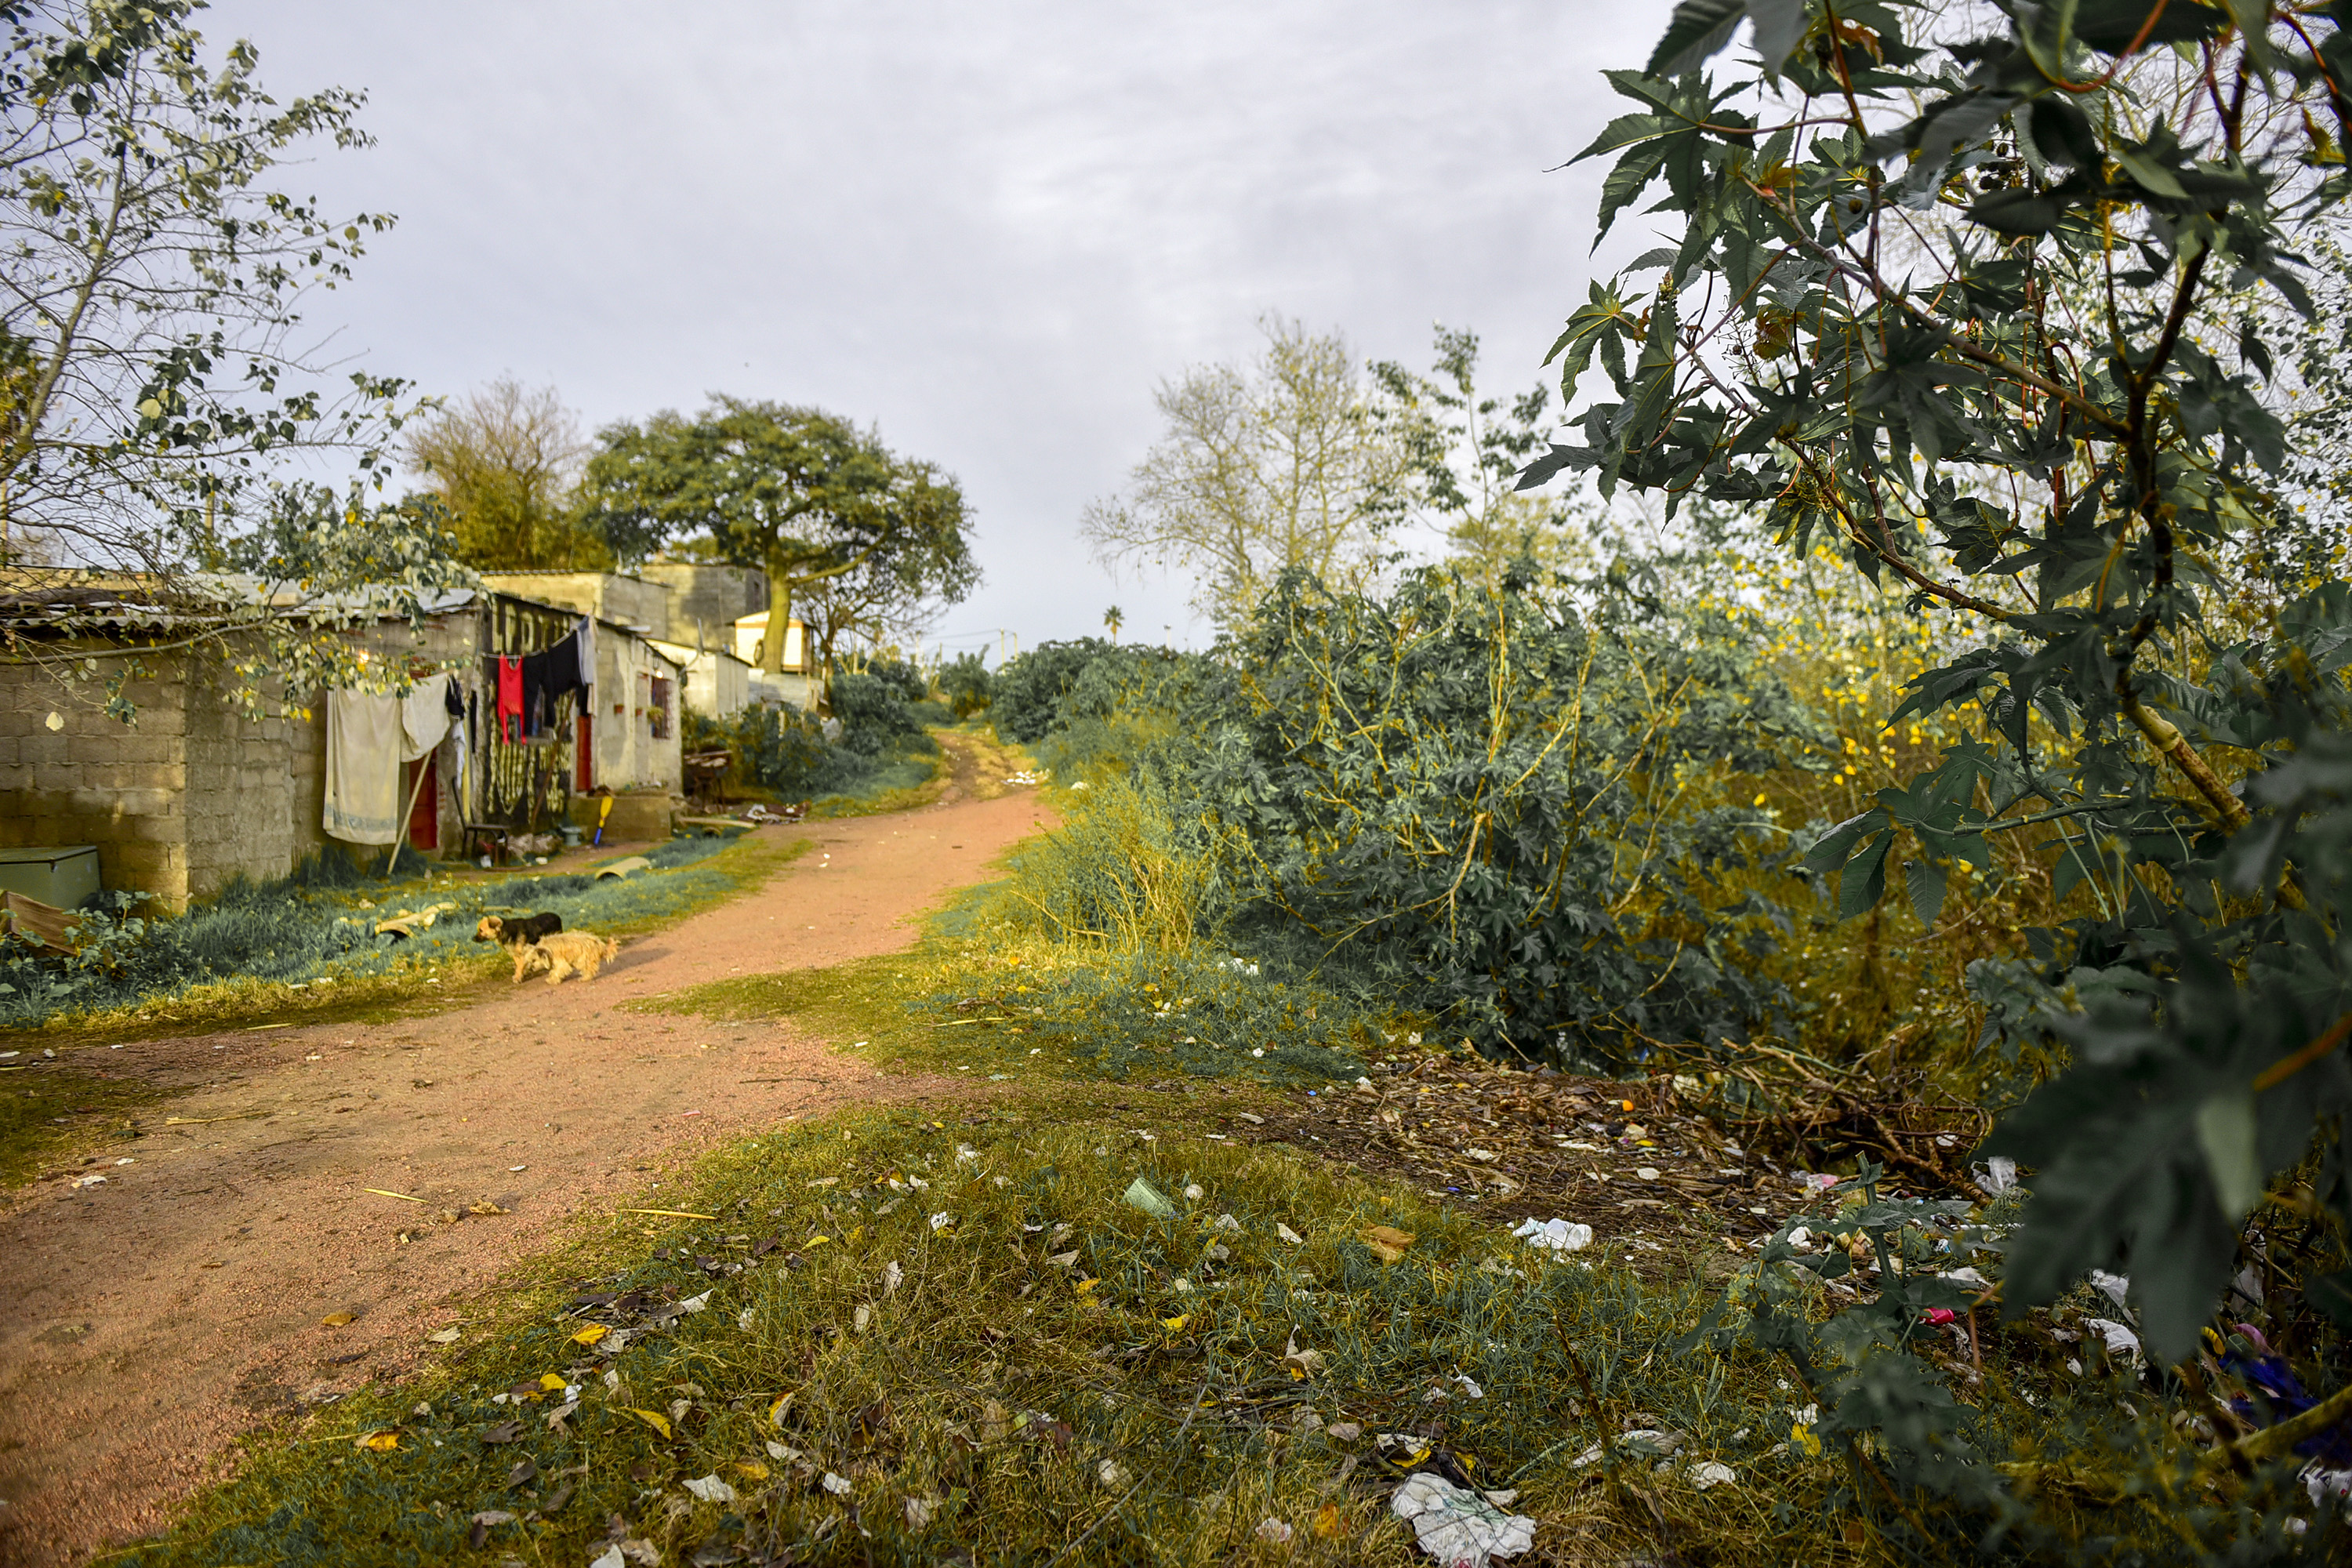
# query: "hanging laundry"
424, 716
587, 633
363, 745
563, 667
511, 699
535, 694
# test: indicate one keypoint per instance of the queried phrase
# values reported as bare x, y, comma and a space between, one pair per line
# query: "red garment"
511, 699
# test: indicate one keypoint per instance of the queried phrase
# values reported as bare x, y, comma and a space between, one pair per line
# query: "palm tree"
1114, 618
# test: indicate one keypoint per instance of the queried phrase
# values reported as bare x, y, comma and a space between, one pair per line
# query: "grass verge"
1144, 1387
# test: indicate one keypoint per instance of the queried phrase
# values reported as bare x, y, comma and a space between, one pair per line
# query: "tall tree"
893, 596
799, 494
1278, 463
151, 361
504, 461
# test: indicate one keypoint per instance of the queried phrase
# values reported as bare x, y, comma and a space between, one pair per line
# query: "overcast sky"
989, 229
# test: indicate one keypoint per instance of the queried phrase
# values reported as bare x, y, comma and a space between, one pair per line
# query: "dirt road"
152, 1319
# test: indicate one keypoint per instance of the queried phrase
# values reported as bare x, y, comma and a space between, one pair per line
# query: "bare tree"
1277, 464
505, 461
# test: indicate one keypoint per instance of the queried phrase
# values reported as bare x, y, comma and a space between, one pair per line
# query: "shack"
192, 792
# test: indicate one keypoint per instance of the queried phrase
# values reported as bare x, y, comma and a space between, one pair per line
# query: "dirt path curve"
150, 1319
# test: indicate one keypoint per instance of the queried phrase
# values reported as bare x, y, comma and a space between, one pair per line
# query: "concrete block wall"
96, 780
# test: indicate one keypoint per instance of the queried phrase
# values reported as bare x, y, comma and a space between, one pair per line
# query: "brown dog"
569, 953
517, 934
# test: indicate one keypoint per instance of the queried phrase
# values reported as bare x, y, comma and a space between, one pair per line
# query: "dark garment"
453, 699
534, 693
563, 667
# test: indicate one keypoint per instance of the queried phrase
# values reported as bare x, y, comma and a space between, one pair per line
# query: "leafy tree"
1464, 451
965, 682
896, 595
1114, 618
1951, 292
1279, 465
797, 492
504, 462
152, 372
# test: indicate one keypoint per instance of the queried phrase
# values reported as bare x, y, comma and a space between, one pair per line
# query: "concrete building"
799, 684
718, 684
193, 793
628, 601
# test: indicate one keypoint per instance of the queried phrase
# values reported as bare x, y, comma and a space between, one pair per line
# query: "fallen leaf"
1176, 1325
549, 1382
919, 1510
653, 1418
381, 1442
337, 1319
446, 1337
1387, 1242
751, 1467
837, 1485
508, 1431
1110, 1474
1289, 1235
892, 1276
1328, 1521
587, 1336
484, 1209
1064, 1260
526, 1469
710, 1488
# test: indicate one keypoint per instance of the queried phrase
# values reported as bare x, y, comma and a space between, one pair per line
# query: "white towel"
364, 756
423, 716
587, 634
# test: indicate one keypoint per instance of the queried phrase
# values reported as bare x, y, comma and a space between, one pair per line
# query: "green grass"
304, 953
969, 1410
1146, 1354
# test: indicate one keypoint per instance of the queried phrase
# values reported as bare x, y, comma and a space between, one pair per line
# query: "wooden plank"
44, 925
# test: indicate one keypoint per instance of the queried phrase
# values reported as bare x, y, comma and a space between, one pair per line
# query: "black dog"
517, 934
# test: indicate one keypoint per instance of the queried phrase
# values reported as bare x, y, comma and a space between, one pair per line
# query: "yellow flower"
1802, 1436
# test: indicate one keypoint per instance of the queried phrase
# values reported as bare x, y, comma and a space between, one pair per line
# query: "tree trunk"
780, 616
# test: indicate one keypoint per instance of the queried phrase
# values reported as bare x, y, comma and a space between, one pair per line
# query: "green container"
65, 876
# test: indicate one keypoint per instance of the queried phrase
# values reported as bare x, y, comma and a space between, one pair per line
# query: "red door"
424, 822
587, 765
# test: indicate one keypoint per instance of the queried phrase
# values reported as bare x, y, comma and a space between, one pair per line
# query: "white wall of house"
636, 723
718, 684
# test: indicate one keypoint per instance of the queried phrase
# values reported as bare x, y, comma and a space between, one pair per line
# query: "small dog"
569, 953
517, 934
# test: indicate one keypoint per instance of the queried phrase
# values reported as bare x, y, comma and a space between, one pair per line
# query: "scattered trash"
1142, 1195
1110, 1474
1713, 1473
1227, 1222
710, 1488
1387, 1242
1273, 1531
1287, 1234
892, 1276
1645, 1173
2121, 1339
942, 1220
1559, 1235
1195, 1193
1456, 1526
919, 1510
91, 1181
1997, 1174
